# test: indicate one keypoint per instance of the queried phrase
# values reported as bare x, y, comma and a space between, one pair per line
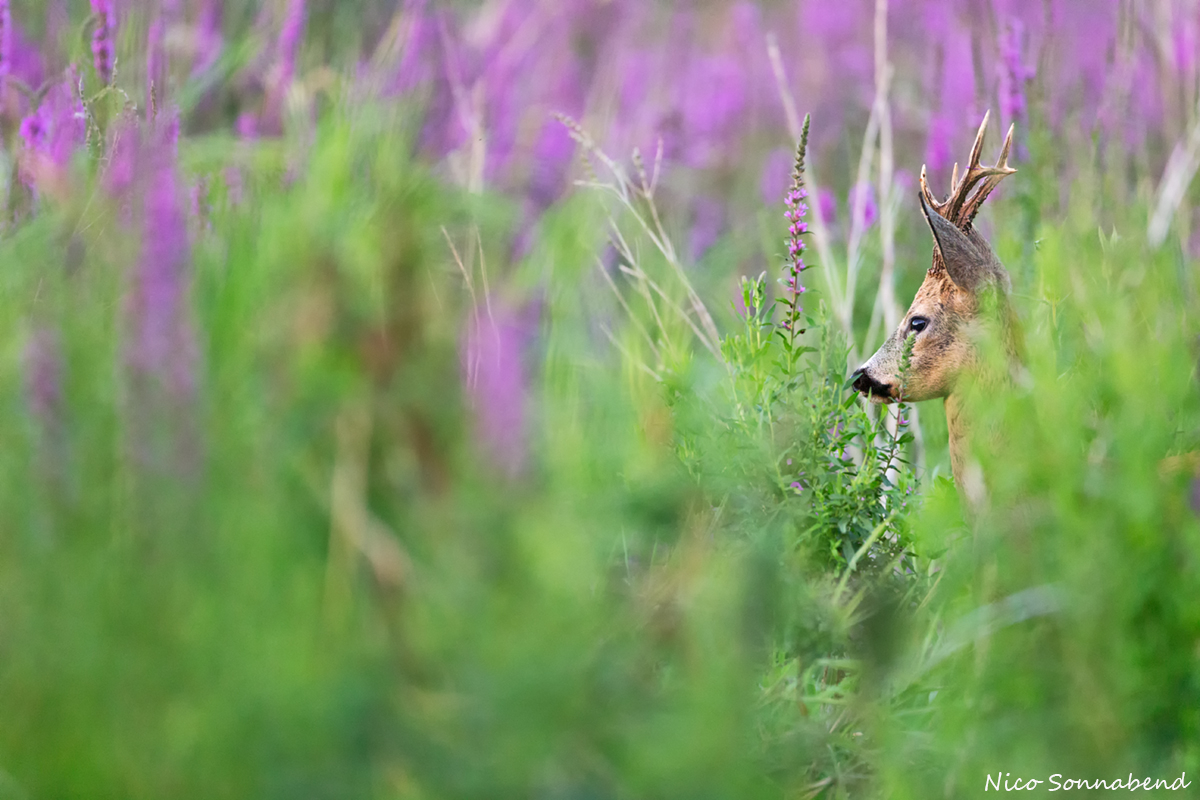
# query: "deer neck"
956, 423
992, 376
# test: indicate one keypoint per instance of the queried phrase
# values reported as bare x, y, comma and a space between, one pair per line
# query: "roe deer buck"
949, 305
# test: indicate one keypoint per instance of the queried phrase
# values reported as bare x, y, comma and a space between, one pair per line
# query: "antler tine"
977, 148
991, 179
927, 193
1002, 162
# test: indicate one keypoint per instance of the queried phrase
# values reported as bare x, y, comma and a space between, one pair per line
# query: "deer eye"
917, 324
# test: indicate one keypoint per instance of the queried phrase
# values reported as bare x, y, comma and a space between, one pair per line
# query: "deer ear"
968, 262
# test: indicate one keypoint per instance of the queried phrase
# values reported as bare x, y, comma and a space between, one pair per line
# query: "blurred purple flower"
712, 104
209, 41
156, 65
25, 57
937, 143
707, 221
1014, 76
159, 349
953, 90
841, 33
418, 50
551, 157
102, 38
35, 127
494, 374
283, 71
6, 38
864, 194
246, 125
1185, 42
290, 34
123, 153
161, 345
827, 203
52, 132
774, 180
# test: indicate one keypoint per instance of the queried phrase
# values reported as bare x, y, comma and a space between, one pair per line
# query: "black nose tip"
865, 384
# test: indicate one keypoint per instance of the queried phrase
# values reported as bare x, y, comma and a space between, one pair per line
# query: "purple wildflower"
102, 39
795, 215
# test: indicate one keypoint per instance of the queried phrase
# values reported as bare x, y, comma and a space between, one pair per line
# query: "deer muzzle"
868, 386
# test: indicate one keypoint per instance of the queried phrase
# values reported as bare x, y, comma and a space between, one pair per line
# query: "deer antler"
961, 206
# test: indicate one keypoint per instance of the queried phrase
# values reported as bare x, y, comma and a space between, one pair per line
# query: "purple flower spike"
795, 214
102, 39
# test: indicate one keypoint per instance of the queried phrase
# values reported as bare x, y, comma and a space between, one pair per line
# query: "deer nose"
865, 384
861, 382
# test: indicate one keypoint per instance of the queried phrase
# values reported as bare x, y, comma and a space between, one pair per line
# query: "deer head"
948, 303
